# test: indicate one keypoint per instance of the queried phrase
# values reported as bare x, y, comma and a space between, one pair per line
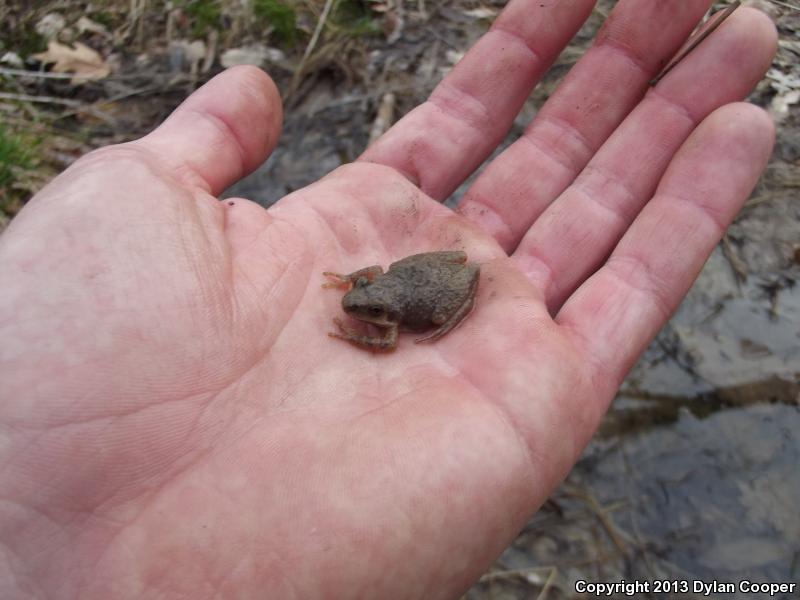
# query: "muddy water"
693, 476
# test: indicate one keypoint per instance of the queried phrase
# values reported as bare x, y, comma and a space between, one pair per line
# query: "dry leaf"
81, 60
782, 103
85, 24
380, 6
384, 118
50, 25
481, 13
453, 56
12, 59
184, 53
255, 54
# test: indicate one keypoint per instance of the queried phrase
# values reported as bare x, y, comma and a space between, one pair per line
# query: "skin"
172, 423
417, 292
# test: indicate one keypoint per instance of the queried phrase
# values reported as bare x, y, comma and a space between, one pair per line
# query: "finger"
615, 314
598, 93
575, 234
443, 140
221, 132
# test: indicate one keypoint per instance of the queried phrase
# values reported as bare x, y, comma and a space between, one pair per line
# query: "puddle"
693, 475
703, 499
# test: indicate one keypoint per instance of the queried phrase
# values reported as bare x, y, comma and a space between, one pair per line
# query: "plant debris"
84, 63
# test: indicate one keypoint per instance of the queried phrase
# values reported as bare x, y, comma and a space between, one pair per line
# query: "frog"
416, 293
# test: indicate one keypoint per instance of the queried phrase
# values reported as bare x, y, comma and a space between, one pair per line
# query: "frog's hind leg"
454, 320
456, 317
387, 342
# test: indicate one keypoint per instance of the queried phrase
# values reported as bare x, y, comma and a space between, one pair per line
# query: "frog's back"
430, 280
432, 259
427, 271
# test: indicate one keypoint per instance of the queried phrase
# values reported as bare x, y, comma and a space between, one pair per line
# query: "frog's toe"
345, 332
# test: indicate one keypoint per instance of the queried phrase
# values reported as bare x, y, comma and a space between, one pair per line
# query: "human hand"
175, 420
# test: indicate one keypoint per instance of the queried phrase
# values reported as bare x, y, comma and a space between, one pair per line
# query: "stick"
705, 30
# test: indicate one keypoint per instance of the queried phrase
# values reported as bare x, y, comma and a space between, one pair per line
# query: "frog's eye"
375, 310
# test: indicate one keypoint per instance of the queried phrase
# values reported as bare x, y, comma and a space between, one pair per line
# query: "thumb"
222, 132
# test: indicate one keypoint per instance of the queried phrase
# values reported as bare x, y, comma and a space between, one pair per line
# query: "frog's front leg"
348, 281
387, 342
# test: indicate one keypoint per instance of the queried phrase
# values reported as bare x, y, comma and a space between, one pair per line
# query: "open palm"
175, 420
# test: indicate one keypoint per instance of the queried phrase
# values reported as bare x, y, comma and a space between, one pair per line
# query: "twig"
705, 30
618, 537
78, 107
525, 575
786, 4
511, 573
547, 584
317, 31
383, 118
766, 197
211, 51
44, 99
141, 7
50, 75
736, 263
310, 47
116, 98
41, 74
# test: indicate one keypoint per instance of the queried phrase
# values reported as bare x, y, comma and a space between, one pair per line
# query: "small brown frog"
416, 293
